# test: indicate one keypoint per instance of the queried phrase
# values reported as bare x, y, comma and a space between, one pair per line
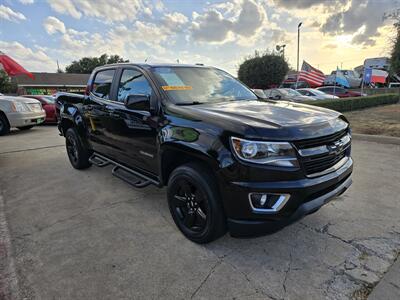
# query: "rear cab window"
101, 86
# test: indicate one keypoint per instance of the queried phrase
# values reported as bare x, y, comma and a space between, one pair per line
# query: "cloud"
28, 58
27, 1
104, 10
10, 15
53, 25
215, 26
304, 4
174, 20
361, 18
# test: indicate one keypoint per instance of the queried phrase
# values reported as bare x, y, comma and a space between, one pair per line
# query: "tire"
78, 154
194, 203
25, 127
4, 125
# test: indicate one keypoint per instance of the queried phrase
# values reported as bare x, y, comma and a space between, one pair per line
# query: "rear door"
96, 113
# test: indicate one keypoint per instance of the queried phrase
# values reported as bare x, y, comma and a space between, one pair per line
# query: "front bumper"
307, 195
21, 119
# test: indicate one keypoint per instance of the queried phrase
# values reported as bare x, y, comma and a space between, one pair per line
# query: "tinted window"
102, 84
132, 83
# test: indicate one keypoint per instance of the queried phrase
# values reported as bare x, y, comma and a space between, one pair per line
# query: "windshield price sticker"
176, 88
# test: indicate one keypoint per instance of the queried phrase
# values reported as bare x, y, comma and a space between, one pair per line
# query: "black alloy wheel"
77, 153
194, 203
72, 149
190, 207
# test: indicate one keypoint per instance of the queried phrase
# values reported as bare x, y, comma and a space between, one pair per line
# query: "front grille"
321, 162
319, 141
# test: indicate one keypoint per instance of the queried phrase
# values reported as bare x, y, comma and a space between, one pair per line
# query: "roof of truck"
154, 65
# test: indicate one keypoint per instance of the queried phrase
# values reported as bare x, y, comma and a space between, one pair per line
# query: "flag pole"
334, 85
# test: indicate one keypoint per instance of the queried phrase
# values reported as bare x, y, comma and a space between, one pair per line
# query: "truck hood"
273, 120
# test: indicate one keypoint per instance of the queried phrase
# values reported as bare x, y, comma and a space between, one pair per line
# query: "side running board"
122, 172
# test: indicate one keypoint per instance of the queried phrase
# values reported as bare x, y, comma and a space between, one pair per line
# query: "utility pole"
298, 44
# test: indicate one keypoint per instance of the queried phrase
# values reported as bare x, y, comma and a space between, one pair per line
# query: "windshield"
289, 92
194, 85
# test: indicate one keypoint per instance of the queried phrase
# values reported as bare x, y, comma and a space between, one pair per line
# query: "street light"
281, 50
298, 44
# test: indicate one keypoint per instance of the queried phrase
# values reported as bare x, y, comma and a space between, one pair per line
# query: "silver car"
316, 94
286, 94
19, 112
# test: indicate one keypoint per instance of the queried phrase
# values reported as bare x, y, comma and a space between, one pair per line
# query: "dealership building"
50, 83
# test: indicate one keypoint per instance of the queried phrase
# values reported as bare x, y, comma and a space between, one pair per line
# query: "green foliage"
263, 71
6, 86
354, 103
395, 58
86, 64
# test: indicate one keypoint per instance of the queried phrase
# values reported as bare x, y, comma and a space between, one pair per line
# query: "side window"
133, 83
102, 84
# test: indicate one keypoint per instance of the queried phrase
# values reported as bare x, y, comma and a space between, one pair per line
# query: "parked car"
229, 159
352, 78
19, 112
316, 94
48, 104
340, 92
286, 94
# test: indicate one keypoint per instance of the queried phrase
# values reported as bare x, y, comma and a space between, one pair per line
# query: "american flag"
311, 75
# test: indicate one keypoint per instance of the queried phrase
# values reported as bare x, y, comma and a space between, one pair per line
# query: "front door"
134, 132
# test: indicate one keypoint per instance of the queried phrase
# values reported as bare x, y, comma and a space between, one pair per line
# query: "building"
50, 83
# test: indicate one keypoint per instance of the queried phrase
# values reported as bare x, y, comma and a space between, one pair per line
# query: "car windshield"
290, 92
195, 85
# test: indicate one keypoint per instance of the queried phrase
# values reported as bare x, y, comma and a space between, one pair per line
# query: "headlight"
279, 154
20, 107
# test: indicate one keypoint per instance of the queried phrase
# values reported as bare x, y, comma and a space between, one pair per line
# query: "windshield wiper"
189, 103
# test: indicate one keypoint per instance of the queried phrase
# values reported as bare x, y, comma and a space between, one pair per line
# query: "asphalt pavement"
68, 234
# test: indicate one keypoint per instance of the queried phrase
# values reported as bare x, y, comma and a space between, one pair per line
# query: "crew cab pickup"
231, 160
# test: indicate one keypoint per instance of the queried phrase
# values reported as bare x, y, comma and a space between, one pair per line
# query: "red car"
48, 104
340, 92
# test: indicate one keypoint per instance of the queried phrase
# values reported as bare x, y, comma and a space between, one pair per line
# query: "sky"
343, 33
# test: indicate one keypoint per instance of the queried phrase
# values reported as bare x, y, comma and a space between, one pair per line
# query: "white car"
19, 112
316, 94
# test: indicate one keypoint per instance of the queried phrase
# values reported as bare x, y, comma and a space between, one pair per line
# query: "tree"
86, 64
6, 86
262, 71
395, 57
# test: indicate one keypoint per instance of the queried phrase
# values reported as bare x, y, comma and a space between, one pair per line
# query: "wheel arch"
173, 156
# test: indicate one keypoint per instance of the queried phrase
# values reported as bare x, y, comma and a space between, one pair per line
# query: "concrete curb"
389, 286
381, 139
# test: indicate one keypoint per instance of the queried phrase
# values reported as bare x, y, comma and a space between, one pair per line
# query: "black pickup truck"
230, 159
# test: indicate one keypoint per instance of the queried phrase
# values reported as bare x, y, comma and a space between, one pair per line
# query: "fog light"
267, 202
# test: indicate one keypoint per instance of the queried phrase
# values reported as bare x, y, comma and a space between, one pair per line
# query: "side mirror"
138, 102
